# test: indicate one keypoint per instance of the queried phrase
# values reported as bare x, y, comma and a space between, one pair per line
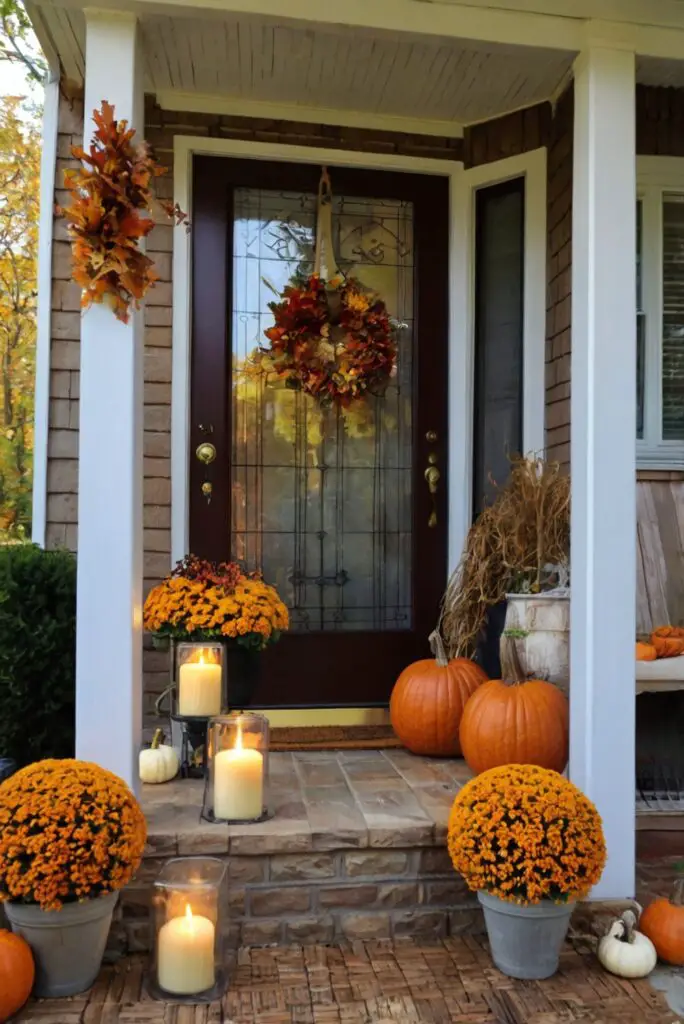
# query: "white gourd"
626, 952
160, 763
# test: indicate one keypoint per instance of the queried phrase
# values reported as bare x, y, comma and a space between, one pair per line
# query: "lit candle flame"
188, 913
238, 737
201, 660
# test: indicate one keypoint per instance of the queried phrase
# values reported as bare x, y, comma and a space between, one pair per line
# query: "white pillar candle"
199, 688
238, 783
185, 955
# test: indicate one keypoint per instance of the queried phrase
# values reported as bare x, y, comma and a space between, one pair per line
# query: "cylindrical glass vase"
200, 677
236, 788
187, 963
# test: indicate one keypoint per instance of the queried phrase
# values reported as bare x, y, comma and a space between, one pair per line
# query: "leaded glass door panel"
331, 504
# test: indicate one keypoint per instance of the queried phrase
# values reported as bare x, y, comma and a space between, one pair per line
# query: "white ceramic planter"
67, 944
543, 644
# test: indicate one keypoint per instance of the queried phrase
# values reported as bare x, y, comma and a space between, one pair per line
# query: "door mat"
333, 737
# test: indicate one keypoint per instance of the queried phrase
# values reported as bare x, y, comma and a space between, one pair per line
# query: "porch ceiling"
337, 67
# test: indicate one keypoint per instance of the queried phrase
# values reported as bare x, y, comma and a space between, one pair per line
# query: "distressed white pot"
543, 646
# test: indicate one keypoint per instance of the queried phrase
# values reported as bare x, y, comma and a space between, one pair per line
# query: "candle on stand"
238, 782
185, 954
199, 688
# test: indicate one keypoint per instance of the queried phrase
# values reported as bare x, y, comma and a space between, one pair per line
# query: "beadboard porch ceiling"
334, 67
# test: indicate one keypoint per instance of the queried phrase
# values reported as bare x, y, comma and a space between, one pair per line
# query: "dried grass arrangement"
518, 544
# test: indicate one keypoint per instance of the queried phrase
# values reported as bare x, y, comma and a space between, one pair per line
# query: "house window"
660, 314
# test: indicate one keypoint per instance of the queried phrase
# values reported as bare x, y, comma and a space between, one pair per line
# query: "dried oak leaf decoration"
111, 202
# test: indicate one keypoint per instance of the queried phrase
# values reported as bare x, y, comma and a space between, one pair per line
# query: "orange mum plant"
69, 831
111, 200
525, 834
203, 600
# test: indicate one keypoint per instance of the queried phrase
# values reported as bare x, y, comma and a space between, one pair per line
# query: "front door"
331, 505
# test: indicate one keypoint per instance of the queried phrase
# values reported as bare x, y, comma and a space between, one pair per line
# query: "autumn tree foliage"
19, 206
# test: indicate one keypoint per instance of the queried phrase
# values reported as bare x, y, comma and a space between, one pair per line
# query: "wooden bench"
660, 573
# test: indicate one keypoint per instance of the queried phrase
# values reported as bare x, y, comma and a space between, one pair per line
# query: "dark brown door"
333, 506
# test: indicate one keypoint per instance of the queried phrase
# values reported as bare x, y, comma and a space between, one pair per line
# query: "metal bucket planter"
67, 944
540, 625
525, 942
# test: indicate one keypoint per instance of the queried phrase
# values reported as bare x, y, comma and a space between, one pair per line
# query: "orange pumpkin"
645, 652
428, 700
663, 922
668, 641
521, 722
16, 973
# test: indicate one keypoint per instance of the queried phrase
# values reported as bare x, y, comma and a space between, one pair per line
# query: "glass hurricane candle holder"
187, 964
236, 787
199, 680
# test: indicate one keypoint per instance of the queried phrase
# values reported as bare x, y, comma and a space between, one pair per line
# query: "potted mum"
202, 601
530, 844
71, 835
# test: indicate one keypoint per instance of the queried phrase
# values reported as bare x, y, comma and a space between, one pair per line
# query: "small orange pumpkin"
663, 922
521, 722
17, 973
645, 652
668, 641
428, 700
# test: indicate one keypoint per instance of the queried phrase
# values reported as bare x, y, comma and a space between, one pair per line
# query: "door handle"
432, 477
205, 452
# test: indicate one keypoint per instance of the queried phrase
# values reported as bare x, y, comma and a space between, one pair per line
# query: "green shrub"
37, 652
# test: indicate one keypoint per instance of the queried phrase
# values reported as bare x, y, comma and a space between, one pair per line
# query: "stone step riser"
321, 897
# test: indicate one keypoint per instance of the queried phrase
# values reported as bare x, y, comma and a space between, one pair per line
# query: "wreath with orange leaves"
109, 212
332, 339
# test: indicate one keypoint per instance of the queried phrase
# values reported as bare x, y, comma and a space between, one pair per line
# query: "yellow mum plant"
69, 831
215, 601
525, 834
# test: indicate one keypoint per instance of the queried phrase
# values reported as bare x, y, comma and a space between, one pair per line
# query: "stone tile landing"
355, 849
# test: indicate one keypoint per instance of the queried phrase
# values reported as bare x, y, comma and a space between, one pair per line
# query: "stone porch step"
355, 849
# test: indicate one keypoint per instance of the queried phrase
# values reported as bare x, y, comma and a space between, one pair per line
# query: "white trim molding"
235, 106
532, 167
656, 175
41, 398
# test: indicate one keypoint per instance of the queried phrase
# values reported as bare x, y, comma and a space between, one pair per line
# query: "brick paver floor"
372, 983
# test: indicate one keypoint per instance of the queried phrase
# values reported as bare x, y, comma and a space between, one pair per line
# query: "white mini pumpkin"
160, 763
626, 952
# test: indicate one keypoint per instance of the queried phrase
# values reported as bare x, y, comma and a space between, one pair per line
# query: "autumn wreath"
332, 337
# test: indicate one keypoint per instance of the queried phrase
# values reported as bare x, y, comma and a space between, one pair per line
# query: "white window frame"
656, 175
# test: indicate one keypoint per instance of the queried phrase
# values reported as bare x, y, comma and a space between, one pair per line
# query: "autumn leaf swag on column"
110, 211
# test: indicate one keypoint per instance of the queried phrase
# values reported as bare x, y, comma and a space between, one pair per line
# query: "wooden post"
109, 613
603, 446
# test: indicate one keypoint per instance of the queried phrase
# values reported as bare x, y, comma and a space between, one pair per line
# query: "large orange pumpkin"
428, 700
645, 652
663, 922
16, 973
668, 641
517, 722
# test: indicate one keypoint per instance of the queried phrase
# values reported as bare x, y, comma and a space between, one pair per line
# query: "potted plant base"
67, 945
525, 941
540, 626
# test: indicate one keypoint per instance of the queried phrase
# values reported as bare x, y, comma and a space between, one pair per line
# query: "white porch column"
603, 576
109, 607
